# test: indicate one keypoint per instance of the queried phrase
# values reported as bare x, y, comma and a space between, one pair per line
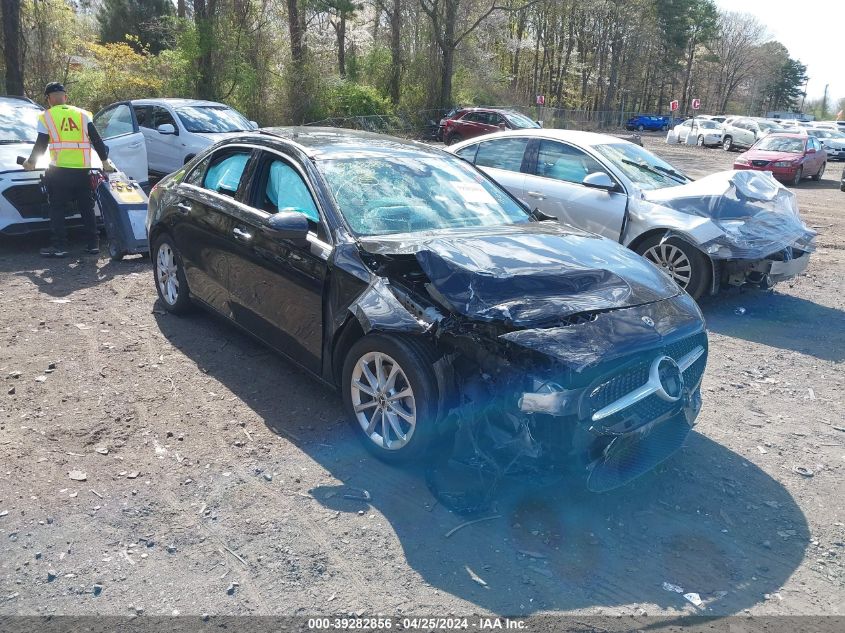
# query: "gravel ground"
154, 464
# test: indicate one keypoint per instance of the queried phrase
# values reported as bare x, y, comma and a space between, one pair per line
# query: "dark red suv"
470, 122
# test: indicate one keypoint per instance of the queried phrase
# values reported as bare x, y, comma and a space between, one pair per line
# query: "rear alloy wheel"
819, 175
391, 395
170, 279
799, 175
453, 138
700, 140
686, 265
727, 144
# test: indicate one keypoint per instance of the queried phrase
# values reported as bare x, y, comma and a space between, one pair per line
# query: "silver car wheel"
672, 261
166, 274
383, 401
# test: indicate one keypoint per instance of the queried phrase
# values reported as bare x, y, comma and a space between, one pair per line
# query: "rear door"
206, 210
556, 170
119, 130
503, 159
277, 284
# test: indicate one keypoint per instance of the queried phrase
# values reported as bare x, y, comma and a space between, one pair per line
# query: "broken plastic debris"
739, 311
77, 475
694, 598
811, 395
668, 586
803, 471
475, 577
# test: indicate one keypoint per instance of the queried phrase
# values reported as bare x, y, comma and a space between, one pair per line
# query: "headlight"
783, 163
741, 161
719, 251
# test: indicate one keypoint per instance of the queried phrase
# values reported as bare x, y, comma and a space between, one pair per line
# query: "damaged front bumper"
781, 266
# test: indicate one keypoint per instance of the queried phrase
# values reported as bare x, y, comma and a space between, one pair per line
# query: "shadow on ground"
774, 319
61, 277
707, 520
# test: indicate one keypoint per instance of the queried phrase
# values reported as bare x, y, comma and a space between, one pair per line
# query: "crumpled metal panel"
755, 214
613, 334
532, 274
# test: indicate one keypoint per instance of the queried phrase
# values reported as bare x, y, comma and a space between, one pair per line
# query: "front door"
277, 284
117, 127
553, 184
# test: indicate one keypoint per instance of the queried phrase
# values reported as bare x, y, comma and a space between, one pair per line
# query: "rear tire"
453, 138
115, 252
819, 175
169, 275
688, 266
400, 429
727, 143
700, 141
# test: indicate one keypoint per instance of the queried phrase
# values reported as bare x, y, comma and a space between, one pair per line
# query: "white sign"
696, 104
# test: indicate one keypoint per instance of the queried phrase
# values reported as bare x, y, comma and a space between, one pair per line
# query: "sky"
804, 33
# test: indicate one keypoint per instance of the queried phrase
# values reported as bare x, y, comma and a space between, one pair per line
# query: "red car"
471, 122
790, 157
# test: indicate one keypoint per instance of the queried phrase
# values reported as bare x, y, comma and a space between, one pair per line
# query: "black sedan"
446, 313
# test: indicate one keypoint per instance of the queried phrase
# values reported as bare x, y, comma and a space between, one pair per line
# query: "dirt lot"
217, 475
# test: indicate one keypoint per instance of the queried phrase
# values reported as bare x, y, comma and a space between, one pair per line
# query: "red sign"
673, 105
541, 99
696, 104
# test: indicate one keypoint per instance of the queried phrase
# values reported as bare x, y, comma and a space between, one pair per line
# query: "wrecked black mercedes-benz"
457, 325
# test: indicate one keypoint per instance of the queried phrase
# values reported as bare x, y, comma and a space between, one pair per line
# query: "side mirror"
288, 224
166, 128
254, 125
812, 150
599, 180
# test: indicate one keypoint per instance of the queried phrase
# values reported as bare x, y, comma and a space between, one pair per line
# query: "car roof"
20, 101
788, 135
329, 142
176, 102
573, 136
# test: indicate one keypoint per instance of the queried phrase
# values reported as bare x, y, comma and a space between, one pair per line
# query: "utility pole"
824, 102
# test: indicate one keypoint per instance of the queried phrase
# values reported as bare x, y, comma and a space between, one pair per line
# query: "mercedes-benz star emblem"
648, 321
667, 377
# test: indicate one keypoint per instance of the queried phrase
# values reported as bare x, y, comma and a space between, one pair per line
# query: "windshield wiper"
654, 169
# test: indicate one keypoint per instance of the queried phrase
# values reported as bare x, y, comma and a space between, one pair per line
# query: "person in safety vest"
70, 136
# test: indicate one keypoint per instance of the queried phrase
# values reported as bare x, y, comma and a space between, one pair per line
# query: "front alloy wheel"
383, 401
684, 263
391, 395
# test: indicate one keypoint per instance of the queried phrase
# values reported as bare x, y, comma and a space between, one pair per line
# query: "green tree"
147, 21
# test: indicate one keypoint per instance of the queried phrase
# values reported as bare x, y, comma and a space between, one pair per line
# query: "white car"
743, 132
699, 131
832, 141
172, 131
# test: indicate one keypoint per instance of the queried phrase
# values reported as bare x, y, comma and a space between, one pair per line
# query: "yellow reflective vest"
68, 129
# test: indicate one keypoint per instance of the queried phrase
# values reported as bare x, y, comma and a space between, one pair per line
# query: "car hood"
838, 143
213, 137
770, 156
9, 154
527, 275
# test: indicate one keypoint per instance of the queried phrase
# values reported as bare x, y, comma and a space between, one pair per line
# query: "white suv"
173, 130
744, 132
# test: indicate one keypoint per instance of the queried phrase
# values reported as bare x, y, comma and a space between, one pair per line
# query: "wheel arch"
637, 241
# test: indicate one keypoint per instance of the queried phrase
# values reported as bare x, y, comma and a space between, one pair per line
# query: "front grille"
635, 375
28, 201
759, 163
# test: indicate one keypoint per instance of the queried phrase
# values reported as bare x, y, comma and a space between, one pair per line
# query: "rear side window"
503, 153
225, 172
468, 152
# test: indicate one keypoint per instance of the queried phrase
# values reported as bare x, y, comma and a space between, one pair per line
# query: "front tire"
700, 141
640, 128
169, 274
684, 263
390, 394
799, 175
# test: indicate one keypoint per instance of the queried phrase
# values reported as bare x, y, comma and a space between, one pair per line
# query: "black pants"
65, 186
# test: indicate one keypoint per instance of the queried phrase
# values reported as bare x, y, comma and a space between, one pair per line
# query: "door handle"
134, 145
536, 194
184, 207
242, 235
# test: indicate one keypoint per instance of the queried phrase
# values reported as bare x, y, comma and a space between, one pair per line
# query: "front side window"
161, 116
505, 153
286, 190
405, 194
225, 171
116, 121
564, 162
212, 119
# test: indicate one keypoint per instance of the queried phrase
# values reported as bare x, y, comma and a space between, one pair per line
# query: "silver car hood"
730, 215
